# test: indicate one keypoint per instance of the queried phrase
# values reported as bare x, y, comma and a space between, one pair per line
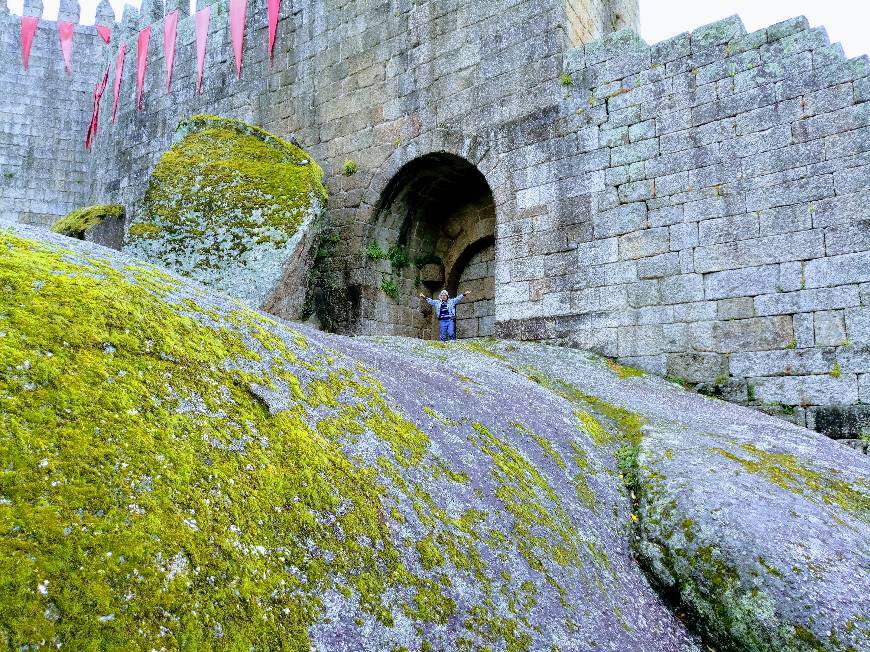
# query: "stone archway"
433, 227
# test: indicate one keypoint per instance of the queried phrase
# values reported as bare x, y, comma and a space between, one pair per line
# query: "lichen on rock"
180, 471
76, 223
229, 205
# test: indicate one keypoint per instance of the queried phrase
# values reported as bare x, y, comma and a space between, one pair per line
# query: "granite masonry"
699, 207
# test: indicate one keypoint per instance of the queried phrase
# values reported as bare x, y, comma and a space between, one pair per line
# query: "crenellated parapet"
33, 8
105, 14
69, 10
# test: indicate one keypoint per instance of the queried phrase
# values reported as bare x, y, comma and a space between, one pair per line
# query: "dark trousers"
446, 329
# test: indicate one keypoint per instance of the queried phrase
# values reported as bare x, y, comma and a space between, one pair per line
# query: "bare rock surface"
179, 470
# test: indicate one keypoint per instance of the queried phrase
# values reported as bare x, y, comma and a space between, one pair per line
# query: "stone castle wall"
709, 221
43, 119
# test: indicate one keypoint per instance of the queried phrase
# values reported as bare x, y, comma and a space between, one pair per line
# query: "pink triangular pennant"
238, 9
170, 25
141, 63
119, 69
66, 30
28, 31
201, 24
104, 32
274, 11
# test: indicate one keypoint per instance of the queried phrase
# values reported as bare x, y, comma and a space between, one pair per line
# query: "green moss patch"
787, 472
148, 495
76, 223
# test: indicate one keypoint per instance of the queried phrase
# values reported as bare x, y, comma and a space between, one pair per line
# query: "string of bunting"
66, 31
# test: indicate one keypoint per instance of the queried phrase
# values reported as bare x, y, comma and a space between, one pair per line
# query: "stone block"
847, 238
858, 326
646, 242
667, 264
791, 362
736, 308
805, 245
838, 270
624, 271
623, 219
633, 152
666, 216
598, 252
696, 367
755, 334
783, 303
830, 328
806, 390
794, 192
804, 330
787, 28
432, 273
614, 137
745, 282
717, 33
683, 288
641, 340
791, 276
670, 49
840, 421
637, 191
728, 229
852, 179
642, 131
643, 293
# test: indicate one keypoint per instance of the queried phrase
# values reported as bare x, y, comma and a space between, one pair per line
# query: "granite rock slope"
182, 471
759, 529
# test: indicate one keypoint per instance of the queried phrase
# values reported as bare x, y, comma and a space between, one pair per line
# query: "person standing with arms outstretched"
445, 313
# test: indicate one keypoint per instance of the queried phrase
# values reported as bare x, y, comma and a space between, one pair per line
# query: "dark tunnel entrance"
434, 228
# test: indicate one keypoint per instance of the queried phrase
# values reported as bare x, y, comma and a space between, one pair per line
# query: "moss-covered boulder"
232, 206
101, 223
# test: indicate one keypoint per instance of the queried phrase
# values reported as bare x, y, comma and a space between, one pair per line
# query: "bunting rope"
202, 18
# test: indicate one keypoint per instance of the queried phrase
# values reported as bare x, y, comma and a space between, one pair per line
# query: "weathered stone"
750, 150
696, 367
806, 390
830, 328
741, 282
233, 207
737, 308
792, 362
783, 303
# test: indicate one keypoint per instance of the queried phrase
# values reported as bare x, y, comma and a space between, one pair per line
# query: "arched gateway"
433, 228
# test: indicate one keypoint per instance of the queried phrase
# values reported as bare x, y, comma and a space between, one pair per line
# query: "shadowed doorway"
434, 228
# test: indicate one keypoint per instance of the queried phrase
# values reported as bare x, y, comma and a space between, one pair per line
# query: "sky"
847, 21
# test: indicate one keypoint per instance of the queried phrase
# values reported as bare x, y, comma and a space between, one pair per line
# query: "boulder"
233, 207
102, 223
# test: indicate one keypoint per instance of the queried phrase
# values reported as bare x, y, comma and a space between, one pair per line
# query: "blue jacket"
451, 305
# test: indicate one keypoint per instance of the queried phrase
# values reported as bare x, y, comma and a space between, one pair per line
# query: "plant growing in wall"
565, 78
389, 286
374, 251
349, 168
398, 257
